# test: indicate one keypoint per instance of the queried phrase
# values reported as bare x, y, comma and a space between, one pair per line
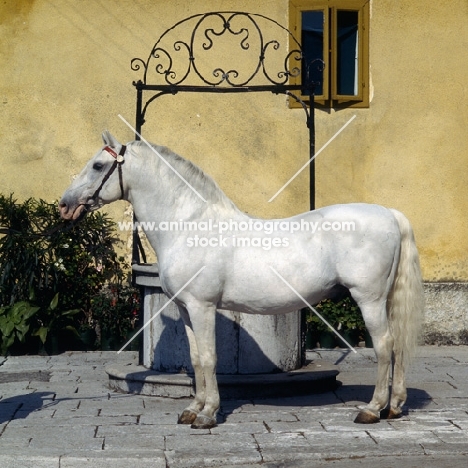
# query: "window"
335, 41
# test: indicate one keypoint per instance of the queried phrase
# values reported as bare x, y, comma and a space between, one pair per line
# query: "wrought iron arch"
175, 65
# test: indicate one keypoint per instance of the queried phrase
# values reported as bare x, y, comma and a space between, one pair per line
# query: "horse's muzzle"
76, 214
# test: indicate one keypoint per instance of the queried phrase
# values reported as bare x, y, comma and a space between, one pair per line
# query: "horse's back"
352, 225
357, 212
347, 245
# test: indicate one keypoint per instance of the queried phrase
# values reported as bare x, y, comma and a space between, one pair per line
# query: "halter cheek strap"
119, 159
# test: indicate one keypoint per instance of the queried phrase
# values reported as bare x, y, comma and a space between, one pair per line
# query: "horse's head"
98, 183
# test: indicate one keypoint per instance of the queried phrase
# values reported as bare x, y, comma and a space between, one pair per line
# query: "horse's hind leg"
376, 322
190, 413
399, 393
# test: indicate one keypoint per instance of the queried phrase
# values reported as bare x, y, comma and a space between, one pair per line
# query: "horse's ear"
109, 139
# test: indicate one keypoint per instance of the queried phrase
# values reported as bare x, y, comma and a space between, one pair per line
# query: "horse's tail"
405, 306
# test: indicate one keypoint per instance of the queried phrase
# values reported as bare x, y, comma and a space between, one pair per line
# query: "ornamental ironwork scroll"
226, 52
248, 41
222, 52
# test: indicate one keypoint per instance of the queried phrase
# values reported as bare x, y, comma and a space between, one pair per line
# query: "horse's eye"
98, 166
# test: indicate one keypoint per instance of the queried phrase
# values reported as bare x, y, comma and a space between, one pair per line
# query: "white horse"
238, 262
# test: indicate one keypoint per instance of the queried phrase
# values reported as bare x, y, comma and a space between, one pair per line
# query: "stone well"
257, 354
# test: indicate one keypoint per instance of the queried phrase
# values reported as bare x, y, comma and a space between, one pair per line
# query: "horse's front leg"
190, 413
203, 321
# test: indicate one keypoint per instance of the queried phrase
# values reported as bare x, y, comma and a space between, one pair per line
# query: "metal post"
311, 125
138, 124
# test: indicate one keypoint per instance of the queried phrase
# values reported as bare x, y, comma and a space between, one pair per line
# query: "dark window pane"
347, 50
312, 46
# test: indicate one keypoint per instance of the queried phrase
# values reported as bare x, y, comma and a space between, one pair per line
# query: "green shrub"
343, 314
55, 266
15, 324
114, 316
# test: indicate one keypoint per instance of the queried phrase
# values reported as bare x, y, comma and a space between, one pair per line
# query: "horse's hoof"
187, 417
394, 414
366, 417
203, 422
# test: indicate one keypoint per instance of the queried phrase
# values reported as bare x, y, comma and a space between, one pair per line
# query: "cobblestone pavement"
57, 412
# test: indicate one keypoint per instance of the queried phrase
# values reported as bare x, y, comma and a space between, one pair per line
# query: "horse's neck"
158, 198
148, 208
164, 226
155, 199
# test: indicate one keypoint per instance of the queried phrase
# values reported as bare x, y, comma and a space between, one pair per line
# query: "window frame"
330, 97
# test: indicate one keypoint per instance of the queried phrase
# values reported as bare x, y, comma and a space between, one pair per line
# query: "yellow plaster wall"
409, 150
66, 76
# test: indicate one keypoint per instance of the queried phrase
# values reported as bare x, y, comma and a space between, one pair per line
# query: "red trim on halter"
118, 157
111, 151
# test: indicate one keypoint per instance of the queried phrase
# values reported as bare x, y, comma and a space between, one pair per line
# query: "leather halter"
119, 160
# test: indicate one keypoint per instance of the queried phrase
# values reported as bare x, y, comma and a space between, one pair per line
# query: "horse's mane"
195, 176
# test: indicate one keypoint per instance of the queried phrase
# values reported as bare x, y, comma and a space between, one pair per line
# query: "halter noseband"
119, 159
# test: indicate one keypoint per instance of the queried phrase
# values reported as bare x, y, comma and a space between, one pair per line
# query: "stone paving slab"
133, 459
212, 450
72, 419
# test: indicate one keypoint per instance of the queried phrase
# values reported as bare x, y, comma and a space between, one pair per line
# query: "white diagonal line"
312, 158
313, 310
161, 309
159, 155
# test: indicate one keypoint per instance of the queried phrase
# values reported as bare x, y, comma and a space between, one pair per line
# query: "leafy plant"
314, 323
15, 324
349, 315
40, 251
65, 265
53, 321
114, 313
343, 314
